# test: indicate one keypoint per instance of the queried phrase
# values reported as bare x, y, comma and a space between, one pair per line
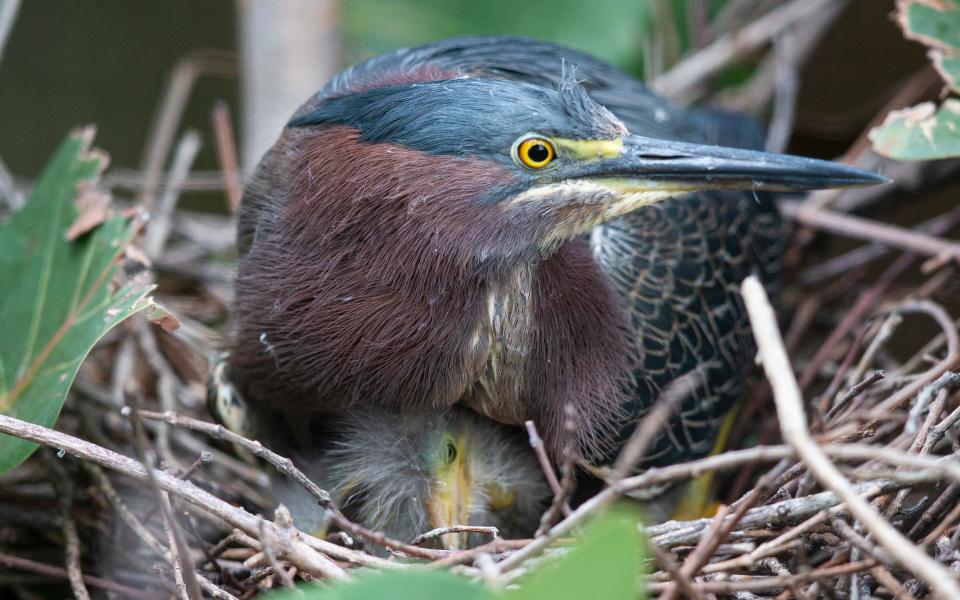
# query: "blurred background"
112, 62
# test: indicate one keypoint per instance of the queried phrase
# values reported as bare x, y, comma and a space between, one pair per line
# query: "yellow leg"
698, 499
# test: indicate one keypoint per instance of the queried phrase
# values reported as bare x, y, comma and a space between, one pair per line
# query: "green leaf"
935, 23
920, 133
394, 585
604, 564
948, 66
58, 297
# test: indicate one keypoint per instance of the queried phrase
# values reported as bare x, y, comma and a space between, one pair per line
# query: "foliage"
608, 28
920, 133
620, 32
604, 563
923, 132
57, 265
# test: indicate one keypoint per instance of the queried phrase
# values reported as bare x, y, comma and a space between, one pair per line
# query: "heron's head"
492, 170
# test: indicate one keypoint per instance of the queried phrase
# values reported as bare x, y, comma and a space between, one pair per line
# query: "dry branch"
793, 420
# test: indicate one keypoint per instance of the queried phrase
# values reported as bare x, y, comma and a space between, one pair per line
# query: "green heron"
511, 226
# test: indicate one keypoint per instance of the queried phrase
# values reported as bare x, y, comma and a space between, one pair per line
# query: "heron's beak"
678, 165
450, 501
645, 170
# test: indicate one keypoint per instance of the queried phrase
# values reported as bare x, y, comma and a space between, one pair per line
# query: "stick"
867, 229
435, 533
227, 154
8, 14
792, 420
286, 466
303, 552
551, 476
167, 118
16, 562
161, 215
64, 487
690, 73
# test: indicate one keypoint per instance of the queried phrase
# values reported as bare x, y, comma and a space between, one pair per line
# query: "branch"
304, 552
680, 81
793, 426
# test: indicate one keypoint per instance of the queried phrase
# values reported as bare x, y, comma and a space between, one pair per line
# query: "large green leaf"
605, 564
935, 23
58, 295
920, 133
395, 585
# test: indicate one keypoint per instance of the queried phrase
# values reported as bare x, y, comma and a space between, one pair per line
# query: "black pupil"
451, 452
538, 153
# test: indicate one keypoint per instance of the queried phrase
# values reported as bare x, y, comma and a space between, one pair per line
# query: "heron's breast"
501, 344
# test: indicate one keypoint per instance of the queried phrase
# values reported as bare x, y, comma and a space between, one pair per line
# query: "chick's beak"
449, 503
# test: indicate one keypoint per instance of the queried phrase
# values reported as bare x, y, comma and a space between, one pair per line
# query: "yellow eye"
535, 153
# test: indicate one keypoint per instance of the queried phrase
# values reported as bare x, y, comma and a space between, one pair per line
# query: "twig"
210, 557
793, 427
680, 81
890, 582
786, 87
741, 583
852, 536
175, 544
653, 423
303, 552
185, 575
944, 525
286, 466
63, 486
864, 303
568, 479
852, 393
551, 476
702, 552
8, 15
268, 551
435, 533
945, 381
946, 498
25, 564
679, 577
170, 111
867, 229
864, 254
496, 546
280, 463
161, 215
167, 387
227, 154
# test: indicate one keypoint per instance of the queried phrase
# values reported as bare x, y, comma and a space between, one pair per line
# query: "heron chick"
400, 473
404, 474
